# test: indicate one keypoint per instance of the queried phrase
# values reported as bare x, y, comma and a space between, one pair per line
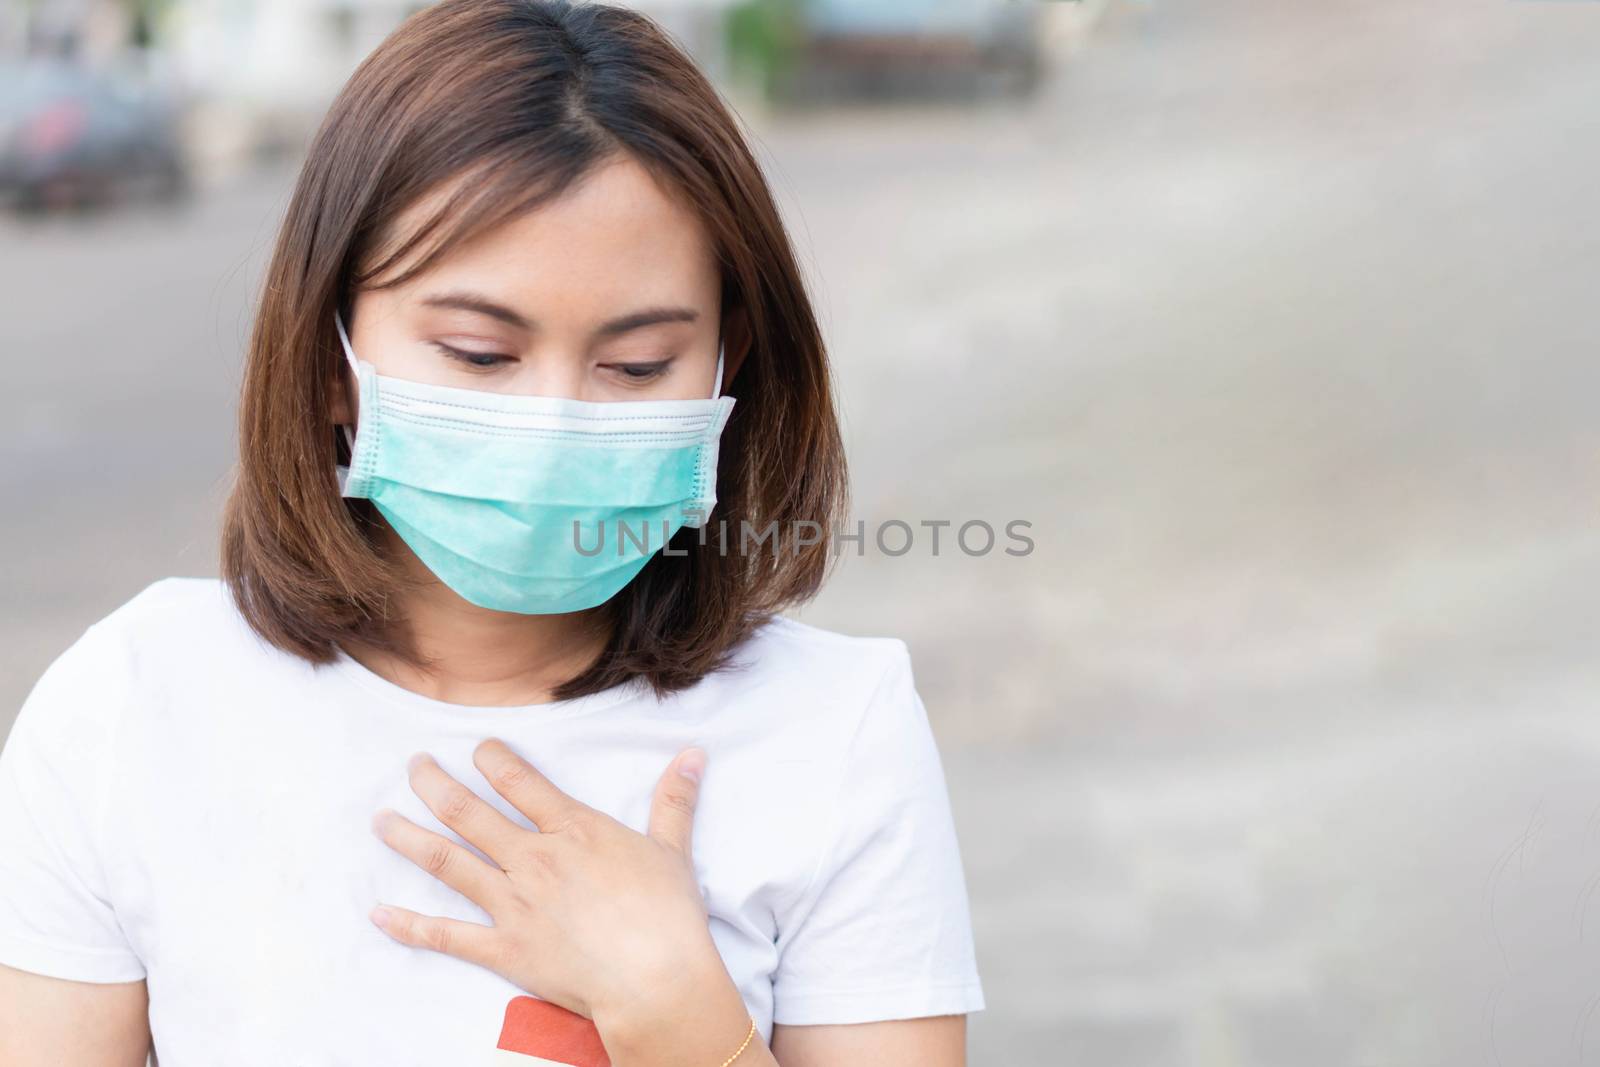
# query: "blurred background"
1277, 322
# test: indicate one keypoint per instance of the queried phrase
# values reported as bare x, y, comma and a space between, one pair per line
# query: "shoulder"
170, 623
826, 667
173, 618
863, 687
168, 612
836, 702
170, 605
75, 709
806, 696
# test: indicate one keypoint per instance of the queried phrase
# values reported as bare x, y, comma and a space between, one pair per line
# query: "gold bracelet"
745, 1044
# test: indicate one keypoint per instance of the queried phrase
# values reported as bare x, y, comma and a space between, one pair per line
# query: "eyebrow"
475, 302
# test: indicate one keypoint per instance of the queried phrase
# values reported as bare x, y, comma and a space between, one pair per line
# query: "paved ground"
1276, 322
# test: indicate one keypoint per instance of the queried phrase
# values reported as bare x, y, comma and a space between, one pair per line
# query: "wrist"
693, 1017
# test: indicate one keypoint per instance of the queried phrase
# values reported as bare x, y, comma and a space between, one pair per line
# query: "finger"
528, 791
462, 810
472, 942
441, 857
677, 793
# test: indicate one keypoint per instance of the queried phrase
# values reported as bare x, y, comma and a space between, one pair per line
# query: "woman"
536, 436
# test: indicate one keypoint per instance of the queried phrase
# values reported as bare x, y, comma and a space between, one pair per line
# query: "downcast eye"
641, 372
476, 360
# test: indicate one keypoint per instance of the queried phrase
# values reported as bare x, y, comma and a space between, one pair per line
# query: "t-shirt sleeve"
883, 931
56, 915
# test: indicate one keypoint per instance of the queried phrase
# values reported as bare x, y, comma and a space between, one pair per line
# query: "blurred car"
918, 48
70, 136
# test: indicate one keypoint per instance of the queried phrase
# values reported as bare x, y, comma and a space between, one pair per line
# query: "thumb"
672, 809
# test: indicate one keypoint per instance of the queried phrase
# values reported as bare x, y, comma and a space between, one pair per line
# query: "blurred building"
257, 75
92, 31
267, 69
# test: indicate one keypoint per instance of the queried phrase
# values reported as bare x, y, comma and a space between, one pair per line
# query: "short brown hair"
524, 98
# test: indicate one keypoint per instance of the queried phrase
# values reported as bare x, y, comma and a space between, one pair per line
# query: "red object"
550, 1033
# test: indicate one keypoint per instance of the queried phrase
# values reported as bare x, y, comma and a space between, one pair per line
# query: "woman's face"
609, 293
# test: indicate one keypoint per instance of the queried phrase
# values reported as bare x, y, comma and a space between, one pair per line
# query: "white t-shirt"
182, 803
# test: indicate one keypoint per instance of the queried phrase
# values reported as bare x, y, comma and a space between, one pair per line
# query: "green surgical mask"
531, 504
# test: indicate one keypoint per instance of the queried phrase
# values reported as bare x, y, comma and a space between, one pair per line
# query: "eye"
639, 372
474, 360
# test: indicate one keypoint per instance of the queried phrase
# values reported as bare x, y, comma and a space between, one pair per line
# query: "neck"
472, 655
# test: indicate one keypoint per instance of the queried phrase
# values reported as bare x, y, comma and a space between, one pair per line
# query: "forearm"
694, 1019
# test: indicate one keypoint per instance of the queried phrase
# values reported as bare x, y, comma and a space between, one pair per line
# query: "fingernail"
379, 820
416, 761
380, 917
693, 764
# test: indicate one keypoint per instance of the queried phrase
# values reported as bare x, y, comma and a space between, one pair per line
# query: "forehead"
617, 234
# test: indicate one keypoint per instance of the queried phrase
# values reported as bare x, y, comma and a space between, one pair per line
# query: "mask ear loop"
718, 394
350, 357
